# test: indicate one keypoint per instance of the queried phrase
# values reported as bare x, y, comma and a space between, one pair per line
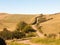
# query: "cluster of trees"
23, 30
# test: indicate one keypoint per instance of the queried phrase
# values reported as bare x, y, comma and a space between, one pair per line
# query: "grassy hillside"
10, 20
52, 26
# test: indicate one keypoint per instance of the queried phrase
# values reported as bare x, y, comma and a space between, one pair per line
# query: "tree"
5, 34
17, 34
28, 29
21, 25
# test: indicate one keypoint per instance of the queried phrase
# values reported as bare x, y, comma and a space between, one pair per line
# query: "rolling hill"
52, 26
10, 20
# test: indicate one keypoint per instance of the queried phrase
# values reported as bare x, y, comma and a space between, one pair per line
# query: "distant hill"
51, 26
10, 20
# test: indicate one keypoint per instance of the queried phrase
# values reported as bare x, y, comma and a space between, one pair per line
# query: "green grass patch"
46, 41
15, 43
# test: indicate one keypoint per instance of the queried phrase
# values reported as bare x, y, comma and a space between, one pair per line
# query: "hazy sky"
30, 6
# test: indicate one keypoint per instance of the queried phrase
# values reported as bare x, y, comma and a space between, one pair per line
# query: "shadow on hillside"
48, 20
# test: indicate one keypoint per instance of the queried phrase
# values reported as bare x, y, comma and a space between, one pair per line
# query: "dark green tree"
28, 29
21, 25
17, 34
5, 34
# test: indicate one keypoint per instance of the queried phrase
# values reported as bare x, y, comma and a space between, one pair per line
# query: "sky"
30, 6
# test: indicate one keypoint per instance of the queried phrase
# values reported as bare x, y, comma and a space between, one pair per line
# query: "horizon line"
27, 13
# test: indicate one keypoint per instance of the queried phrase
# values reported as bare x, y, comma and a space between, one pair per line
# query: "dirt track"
37, 31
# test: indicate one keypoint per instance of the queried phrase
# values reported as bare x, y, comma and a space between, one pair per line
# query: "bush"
52, 36
45, 34
17, 34
5, 34
28, 29
21, 25
31, 34
24, 28
20, 32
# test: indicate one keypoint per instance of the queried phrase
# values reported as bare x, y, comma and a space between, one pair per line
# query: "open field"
46, 41
35, 41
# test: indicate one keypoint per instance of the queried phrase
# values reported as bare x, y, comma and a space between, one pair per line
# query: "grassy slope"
10, 20
52, 26
45, 41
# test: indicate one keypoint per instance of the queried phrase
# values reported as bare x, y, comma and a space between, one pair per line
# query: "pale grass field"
35, 41
51, 26
10, 21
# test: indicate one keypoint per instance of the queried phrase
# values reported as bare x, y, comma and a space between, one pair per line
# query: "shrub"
21, 25
17, 34
31, 34
52, 36
28, 29
5, 34
45, 34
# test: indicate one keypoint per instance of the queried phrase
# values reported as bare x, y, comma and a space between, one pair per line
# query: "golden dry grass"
10, 20
52, 26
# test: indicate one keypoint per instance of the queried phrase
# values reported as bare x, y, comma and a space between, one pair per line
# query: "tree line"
22, 30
